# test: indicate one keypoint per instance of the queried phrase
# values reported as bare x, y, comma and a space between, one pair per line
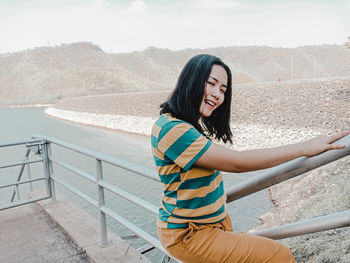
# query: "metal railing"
261, 181
35, 146
101, 186
287, 171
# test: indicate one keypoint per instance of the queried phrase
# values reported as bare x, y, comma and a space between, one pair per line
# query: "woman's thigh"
217, 245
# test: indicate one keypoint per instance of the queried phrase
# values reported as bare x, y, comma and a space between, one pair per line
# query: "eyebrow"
217, 81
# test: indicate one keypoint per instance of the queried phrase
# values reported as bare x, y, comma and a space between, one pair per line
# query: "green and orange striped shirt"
191, 193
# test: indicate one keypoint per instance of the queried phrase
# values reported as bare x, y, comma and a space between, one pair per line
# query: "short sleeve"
182, 143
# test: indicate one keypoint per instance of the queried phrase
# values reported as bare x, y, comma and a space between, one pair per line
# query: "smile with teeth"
210, 103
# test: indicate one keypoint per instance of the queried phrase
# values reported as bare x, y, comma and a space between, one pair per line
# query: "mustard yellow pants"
218, 243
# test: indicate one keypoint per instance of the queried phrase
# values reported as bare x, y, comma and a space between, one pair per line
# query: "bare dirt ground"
271, 114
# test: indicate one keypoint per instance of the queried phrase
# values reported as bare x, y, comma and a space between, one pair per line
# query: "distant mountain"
47, 74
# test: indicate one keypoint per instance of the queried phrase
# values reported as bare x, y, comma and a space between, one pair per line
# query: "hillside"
47, 74
44, 75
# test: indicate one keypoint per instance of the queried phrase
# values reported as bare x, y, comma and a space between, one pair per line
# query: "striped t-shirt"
191, 193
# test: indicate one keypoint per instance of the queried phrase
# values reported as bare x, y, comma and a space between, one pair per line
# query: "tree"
347, 44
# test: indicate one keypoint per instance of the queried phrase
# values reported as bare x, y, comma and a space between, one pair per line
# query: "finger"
333, 147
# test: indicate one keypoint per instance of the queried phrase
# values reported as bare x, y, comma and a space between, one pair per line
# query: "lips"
210, 103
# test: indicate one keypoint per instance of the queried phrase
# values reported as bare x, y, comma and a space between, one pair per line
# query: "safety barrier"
41, 145
35, 146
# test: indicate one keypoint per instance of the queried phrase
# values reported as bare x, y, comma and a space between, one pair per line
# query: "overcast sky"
133, 25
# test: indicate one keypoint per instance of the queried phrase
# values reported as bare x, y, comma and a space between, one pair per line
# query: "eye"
210, 83
223, 90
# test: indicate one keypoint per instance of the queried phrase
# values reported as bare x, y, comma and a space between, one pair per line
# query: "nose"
216, 92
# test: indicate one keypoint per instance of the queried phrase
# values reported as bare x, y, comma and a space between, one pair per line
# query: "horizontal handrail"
287, 170
20, 163
22, 182
140, 202
138, 231
21, 142
127, 165
317, 224
76, 191
74, 170
23, 202
110, 187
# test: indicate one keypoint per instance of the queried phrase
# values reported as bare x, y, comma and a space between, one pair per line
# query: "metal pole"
287, 170
133, 167
101, 203
47, 169
291, 69
29, 175
314, 70
17, 192
317, 224
16, 189
52, 181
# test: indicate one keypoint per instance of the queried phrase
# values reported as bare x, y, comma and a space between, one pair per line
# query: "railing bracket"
35, 148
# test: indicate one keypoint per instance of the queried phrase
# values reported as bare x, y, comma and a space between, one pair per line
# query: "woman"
193, 223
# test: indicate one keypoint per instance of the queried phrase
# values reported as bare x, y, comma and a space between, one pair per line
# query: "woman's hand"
322, 143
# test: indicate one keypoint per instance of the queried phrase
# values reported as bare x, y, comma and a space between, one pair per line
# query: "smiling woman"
200, 106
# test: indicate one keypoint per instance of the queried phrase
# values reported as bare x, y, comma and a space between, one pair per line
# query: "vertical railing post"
46, 168
101, 202
50, 167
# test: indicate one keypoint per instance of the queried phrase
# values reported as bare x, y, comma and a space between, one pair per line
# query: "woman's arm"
221, 158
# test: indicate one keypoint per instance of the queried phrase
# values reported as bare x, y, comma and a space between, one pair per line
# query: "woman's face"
214, 91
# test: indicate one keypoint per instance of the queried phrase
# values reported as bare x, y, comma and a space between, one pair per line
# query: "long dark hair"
184, 102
